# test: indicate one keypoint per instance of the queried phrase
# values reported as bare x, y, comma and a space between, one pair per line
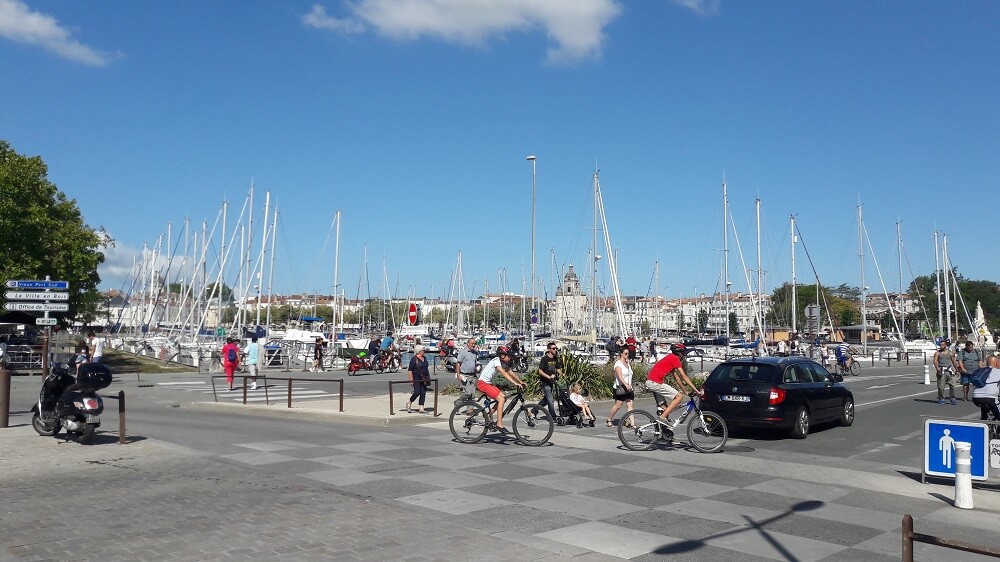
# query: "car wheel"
800, 428
847, 413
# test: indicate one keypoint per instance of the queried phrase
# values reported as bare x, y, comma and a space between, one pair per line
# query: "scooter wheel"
41, 428
87, 435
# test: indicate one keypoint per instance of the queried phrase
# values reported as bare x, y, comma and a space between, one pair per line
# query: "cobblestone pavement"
411, 493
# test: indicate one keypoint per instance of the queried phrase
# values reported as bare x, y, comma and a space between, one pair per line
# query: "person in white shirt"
986, 397
96, 346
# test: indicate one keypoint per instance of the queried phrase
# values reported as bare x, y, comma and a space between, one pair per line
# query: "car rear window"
743, 372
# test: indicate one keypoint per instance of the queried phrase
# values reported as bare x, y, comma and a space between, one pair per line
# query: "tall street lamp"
531, 339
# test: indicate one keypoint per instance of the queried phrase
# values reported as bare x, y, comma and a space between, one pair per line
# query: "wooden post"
121, 417
907, 538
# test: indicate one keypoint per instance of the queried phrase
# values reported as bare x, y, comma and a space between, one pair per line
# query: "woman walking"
420, 378
623, 386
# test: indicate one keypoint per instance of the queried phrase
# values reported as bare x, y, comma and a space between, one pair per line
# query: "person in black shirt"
548, 370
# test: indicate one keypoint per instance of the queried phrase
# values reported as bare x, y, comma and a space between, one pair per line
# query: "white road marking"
182, 382
882, 386
895, 398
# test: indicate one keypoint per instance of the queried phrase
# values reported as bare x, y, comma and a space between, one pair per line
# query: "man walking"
465, 368
253, 360
968, 361
548, 370
946, 366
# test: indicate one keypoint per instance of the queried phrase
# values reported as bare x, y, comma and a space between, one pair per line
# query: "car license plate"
734, 398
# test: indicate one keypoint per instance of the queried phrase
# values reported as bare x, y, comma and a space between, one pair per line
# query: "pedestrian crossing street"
274, 392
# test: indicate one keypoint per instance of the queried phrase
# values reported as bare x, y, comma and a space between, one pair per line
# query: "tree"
734, 323
680, 321
43, 233
702, 320
985, 292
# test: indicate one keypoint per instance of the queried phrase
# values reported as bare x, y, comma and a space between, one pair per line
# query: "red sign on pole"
412, 316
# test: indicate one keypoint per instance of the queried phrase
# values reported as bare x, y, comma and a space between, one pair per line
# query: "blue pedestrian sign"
37, 284
940, 437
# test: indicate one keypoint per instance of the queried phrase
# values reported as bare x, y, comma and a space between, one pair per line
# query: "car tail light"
89, 404
777, 396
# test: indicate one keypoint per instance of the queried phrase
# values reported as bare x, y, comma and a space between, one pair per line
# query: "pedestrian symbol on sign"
940, 438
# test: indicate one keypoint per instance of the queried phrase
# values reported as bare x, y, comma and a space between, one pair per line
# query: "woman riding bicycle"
485, 385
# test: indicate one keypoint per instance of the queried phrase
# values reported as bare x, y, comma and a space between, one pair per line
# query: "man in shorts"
663, 393
465, 368
968, 361
253, 361
501, 364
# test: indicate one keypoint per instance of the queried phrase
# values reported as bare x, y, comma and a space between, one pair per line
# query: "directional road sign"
45, 321
35, 296
37, 306
940, 437
37, 284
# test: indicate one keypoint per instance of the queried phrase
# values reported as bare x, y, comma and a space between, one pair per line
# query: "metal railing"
290, 380
910, 537
392, 410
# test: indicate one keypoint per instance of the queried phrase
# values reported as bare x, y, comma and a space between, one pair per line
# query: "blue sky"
414, 118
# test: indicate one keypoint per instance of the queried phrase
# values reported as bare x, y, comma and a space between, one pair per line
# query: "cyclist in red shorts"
485, 383
663, 393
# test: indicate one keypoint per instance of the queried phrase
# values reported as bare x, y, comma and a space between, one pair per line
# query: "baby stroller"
569, 413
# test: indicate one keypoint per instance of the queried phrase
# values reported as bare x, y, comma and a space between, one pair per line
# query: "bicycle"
388, 361
639, 430
853, 368
470, 420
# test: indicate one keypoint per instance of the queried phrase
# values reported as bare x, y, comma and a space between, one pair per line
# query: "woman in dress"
623, 386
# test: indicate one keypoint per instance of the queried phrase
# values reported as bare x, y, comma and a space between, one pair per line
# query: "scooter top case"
77, 402
93, 376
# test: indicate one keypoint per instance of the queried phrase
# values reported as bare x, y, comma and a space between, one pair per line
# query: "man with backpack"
230, 360
968, 361
986, 396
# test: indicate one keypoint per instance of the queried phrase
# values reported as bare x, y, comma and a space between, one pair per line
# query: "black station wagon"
783, 392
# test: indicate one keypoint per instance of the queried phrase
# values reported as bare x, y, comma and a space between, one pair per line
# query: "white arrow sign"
35, 296
37, 306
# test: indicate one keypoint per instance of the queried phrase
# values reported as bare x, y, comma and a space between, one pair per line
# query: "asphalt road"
890, 403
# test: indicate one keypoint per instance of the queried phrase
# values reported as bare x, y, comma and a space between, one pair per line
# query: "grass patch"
122, 362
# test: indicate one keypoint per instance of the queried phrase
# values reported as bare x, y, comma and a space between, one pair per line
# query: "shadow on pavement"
691, 545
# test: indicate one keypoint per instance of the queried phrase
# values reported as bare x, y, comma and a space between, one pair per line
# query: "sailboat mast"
902, 306
795, 304
725, 253
864, 290
336, 273
946, 264
760, 280
937, 291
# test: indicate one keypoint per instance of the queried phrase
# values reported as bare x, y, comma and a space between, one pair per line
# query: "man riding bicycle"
387, 348
843, 353
663, 393
485, 385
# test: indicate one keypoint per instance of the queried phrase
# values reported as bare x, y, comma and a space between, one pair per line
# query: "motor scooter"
71, 404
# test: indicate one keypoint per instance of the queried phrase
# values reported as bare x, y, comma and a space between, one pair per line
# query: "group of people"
90, 350
656, 382
960, 364
644, 351
231, 360
664, 380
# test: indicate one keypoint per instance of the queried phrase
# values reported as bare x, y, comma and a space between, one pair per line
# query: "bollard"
4, 398
927, 374
963, 475
121, 418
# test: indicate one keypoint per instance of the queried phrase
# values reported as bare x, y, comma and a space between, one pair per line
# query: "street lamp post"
531, 338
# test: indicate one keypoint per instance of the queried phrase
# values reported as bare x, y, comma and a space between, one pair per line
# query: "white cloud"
19, 23
318, 18
575, 27
701, 7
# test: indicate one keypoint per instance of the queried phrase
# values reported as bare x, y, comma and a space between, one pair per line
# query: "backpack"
979, 376
231, 355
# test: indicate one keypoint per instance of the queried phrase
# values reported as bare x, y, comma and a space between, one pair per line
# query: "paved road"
201, 484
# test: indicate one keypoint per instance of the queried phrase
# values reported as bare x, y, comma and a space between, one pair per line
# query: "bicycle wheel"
855, 368
468, 422
379, 366
638, 430
393, 366
532, 425
707, 432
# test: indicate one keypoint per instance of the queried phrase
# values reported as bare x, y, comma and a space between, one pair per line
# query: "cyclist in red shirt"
663, 393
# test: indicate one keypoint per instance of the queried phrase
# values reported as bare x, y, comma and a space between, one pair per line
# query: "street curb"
277, 411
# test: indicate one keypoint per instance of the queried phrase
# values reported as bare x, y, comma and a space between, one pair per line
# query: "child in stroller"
570, 413
581, 402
